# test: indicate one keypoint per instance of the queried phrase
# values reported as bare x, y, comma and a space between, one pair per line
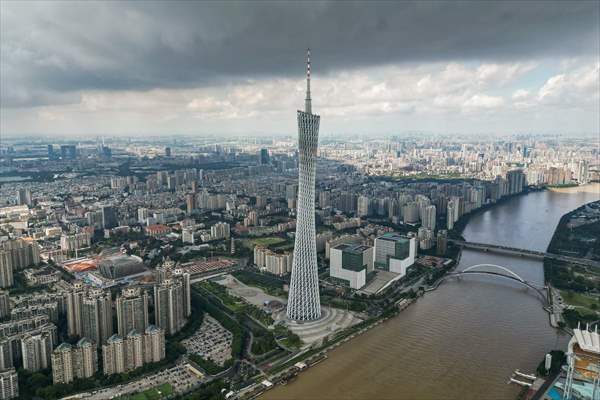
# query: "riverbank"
588, 188
290, 369
463, 221
577, 234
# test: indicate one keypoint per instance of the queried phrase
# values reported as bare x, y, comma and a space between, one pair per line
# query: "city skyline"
466, 68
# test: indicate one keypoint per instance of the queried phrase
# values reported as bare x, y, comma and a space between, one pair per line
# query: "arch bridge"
501, 272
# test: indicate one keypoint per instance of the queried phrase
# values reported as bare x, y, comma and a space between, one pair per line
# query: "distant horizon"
324, 135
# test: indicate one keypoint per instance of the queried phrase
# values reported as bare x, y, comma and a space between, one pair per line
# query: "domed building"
121, 265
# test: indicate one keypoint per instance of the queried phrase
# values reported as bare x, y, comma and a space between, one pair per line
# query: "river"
465, 339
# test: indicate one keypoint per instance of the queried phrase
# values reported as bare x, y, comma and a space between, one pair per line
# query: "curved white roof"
586, 339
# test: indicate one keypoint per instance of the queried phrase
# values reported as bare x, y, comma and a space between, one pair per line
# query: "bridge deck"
524, 252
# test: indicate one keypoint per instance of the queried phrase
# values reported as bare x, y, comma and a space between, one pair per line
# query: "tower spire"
307, 101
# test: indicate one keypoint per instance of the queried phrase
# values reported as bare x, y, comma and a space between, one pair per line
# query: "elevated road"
524, 252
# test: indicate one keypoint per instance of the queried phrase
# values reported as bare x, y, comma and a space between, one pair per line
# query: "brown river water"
465, 339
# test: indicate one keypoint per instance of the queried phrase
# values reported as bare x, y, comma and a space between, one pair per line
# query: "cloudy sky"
136, 68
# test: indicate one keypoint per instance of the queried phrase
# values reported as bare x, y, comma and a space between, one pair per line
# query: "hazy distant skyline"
111, 68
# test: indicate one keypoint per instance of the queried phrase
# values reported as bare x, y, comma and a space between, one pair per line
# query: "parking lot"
211, 341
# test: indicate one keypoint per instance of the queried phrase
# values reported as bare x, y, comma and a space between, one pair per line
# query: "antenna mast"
307, 101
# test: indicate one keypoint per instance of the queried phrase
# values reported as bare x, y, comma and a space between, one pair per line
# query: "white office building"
351, 263
395, 253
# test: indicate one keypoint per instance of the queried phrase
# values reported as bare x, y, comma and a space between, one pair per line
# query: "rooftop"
393, 236
587, 340
352, 248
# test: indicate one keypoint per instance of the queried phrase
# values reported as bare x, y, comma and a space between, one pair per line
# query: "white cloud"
572, 88
520, 94
484, 101
500, 75
404, 95
50, 115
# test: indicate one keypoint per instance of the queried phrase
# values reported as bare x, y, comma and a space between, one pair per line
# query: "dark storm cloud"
49, 50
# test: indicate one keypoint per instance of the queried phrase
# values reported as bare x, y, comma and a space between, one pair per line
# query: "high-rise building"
162, 177
96, 316
76, 241
125, 354
425, 236
324, 199
70, 362
188, 235
21, 253
171, 183
6, 270
51, 154
134, 350
220, 230
363, 206
395, 253
277, 264
442, 243
164, 271
24, 197
429, 217
264, 156
9, 384
582, 172
105, 152
6, 354
142, 215
74, 303
68, 152
132, 310
452, 213
109, 217
154, 344
303, 299
89, 313
36, 350
172, 303
261, 202
516, 181
410, 212
190, 202
113, 355
62, 364
291, 191
4, 304
85, 358
251, 219
94, 219
351, 263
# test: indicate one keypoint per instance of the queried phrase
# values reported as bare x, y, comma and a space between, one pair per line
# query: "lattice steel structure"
303, 299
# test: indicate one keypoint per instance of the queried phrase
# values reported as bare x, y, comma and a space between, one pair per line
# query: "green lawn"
263, 241
155, 393
267, 283
579, 300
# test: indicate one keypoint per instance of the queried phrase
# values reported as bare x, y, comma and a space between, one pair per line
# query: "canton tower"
303, 300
